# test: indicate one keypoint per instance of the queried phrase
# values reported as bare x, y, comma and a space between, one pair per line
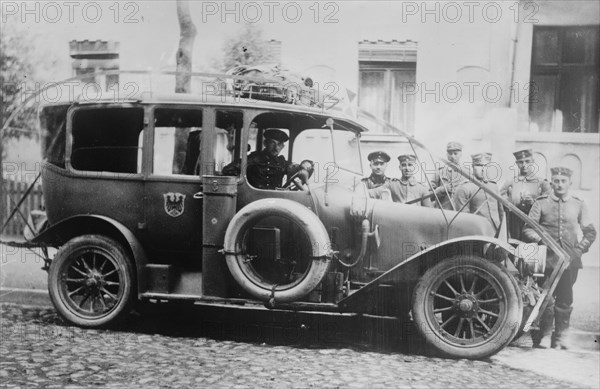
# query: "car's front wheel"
91, 281
467, 307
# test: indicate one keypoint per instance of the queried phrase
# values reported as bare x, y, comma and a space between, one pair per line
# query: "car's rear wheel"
467, 307
91, 281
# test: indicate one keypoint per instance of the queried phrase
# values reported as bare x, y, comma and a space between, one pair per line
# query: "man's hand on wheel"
298, 180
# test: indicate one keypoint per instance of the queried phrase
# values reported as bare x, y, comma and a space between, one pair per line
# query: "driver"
266, 167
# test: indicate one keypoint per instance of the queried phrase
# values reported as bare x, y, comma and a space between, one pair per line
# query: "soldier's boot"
546, 323
562, 319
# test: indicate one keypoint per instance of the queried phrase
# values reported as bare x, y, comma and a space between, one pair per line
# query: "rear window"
53, 121
108, 139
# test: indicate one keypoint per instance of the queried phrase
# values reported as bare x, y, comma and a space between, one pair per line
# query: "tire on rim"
91, 281
304, 262
467, 307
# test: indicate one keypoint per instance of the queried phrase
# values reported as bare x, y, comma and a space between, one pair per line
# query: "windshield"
335, 154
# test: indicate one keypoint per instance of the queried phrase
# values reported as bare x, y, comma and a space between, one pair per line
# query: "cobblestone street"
39, 350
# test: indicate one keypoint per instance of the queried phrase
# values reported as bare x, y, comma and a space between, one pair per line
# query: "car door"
173, 229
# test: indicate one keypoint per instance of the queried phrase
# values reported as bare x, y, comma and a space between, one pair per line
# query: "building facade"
527, 80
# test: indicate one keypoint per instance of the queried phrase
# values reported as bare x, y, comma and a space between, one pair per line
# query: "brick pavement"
39, 350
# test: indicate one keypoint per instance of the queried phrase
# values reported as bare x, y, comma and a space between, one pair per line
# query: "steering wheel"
297, 181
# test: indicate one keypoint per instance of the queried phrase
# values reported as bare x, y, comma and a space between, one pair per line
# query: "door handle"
198, 195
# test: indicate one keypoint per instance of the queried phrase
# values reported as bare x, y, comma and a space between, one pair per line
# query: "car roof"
334, 111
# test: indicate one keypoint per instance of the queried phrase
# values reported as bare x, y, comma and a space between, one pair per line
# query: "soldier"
562, 215
473, 200
447, 177
266, 167
406, 188
378, 160
523, 191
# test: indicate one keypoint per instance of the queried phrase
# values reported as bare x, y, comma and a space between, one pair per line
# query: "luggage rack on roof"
276, 85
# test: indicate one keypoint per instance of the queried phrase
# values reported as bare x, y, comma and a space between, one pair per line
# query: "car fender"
59, 233
430, 255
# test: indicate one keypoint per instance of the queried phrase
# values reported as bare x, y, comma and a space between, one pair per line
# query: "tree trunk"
2, 191
187, 35
183, 79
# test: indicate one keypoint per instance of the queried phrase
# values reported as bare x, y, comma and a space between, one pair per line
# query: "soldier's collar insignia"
378, 179
412, 181
564, 199
527, 178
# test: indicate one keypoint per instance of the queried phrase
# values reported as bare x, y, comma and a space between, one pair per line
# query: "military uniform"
478, 201
519, 192
403, 190
481, 204
562, 218
447, 178
265, 171
375, 181
522, 192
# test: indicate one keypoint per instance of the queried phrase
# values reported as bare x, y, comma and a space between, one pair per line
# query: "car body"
140, 208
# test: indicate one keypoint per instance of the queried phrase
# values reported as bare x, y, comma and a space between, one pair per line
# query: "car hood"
407, 229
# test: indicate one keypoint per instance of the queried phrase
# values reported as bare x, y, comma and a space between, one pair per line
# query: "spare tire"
302, 245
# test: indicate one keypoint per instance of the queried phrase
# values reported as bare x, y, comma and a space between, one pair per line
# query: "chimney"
95, 56
274, 51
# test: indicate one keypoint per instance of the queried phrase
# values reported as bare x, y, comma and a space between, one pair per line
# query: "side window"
108, 139
228, 128
176, 148
53, 121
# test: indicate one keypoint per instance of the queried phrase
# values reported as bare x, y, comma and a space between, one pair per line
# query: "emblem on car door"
174, 203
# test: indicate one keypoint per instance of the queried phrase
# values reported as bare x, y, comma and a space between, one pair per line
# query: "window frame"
149, 173
101, 173
561, 68
387, 67
237, 151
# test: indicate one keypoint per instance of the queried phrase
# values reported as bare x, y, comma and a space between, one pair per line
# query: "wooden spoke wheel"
91, 281
467, 307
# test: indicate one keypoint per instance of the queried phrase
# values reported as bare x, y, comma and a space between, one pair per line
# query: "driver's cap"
407, 157
522, 154
561, 171
381, 156
276, 135
481, 158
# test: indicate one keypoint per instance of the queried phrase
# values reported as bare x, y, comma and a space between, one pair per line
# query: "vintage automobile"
139, 209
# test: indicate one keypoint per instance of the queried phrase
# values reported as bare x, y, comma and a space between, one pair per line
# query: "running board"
197, 298
211, 300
